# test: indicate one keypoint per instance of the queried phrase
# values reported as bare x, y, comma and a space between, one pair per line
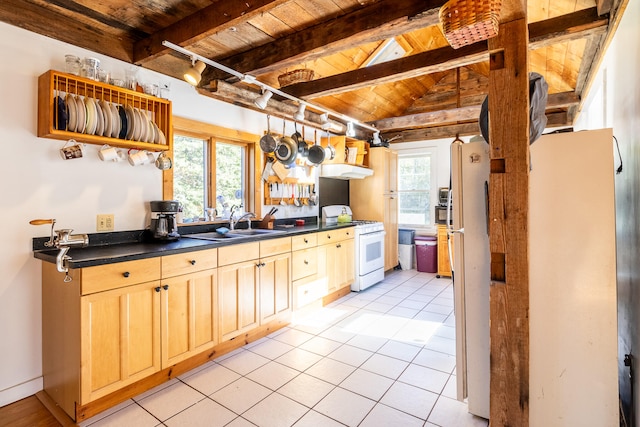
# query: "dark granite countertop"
109, 248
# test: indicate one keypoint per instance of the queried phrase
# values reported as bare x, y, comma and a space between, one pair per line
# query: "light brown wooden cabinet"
116, 327
257, 288
275, 279
189, 305
336, 255
376, 198
444, 266
120, 336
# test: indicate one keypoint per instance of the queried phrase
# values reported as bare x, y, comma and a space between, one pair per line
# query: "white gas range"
369, 247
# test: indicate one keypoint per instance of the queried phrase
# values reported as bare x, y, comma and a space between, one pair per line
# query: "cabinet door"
275, 287
328, 265
120, 338
237, 299
337, 262
444, 265
391, 169
345, 263
391, 228
188, 315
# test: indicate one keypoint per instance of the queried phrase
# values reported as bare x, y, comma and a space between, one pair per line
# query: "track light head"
194, 73
262, 100
299, 115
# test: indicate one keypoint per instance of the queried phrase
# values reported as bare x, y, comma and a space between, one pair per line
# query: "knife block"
268, 222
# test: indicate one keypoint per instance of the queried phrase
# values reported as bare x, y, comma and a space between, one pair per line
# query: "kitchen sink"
254, 232
213, 236
233, 235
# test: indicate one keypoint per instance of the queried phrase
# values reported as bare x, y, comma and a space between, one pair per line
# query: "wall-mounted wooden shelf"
54, 84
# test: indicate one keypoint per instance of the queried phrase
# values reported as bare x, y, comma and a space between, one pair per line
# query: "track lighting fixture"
324, 121
262, 100
299, 115
376, 138
351, 131
199, 63
194, 73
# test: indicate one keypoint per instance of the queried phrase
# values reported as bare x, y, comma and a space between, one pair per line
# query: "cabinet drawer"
112, 276
275, 246
303, 242
304, 263
308, 290
189, 262
238, 253
338, 235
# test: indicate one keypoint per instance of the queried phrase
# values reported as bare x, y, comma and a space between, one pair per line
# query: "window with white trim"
416, 188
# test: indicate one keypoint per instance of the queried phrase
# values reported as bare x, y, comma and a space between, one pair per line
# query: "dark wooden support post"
508, 213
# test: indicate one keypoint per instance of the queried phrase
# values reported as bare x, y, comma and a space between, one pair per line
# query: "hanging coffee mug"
110, 154
163, 162
73, 151
137, 158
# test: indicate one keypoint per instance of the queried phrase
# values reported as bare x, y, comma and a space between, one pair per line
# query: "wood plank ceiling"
424, 90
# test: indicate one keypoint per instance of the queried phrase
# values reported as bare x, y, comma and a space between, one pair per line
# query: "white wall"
614, 101
37, 183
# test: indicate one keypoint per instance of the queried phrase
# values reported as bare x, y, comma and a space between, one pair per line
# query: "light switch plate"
105, 222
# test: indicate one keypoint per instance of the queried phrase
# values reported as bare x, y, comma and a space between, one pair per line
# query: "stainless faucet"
233, 223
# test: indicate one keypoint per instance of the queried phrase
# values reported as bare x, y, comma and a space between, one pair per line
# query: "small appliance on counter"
164, 225
443, 208
334, 214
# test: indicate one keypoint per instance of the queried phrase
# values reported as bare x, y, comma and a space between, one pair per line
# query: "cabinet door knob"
193, 262
258, 265
338, 245
328, 236
306, 241
263, 264
306, 262
126, 274
165, 287
157, 288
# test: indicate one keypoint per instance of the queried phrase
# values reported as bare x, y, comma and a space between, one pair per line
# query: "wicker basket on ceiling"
295, 76
469, 21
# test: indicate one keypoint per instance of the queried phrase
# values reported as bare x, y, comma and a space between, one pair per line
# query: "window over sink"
213, 167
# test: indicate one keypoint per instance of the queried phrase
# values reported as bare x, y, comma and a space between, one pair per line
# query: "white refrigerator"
573, 377
469, 238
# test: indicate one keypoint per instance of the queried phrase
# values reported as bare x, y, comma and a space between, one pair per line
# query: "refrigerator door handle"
449, 196
449, 237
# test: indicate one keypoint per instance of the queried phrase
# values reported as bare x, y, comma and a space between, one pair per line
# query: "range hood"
344, 171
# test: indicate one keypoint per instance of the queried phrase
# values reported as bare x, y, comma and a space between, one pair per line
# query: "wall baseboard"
20, 391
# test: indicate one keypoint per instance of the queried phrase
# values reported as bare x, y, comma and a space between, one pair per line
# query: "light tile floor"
381, 357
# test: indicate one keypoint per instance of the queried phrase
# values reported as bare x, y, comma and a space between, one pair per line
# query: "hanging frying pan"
316, 152
268, 143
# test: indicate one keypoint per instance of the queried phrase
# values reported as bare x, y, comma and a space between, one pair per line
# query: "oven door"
371, 252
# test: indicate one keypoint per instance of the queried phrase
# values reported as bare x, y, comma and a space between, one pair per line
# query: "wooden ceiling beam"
219, 16
379, 21
463, 114
577, 25
559, 119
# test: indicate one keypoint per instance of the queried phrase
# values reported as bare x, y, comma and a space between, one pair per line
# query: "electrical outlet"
105, 222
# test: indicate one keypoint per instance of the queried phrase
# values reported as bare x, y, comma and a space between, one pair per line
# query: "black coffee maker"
163, 219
